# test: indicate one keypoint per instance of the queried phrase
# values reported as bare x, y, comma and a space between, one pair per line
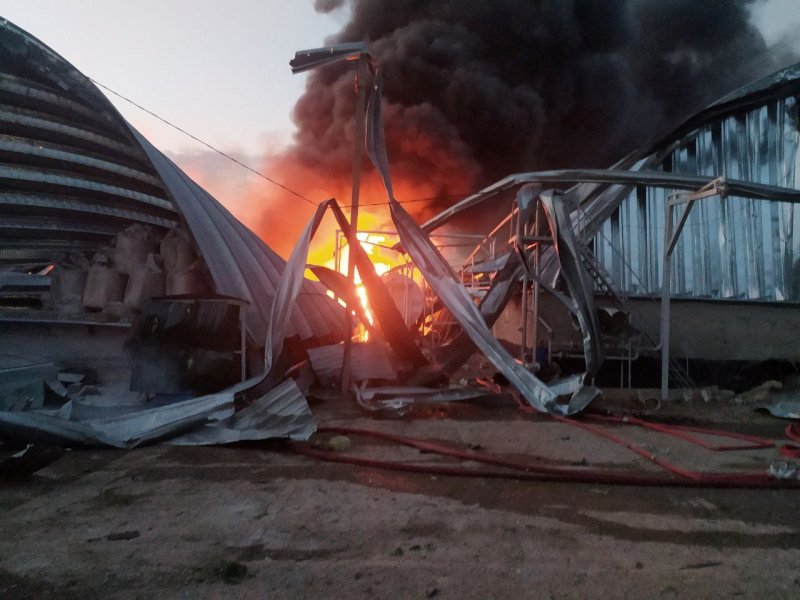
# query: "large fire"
377, 244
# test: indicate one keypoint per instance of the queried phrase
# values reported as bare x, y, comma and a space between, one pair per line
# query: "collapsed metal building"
732, 260
112, 257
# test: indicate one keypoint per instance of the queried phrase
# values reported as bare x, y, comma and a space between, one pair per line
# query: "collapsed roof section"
74, 173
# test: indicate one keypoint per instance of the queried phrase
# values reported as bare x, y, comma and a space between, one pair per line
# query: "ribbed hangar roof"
73, 173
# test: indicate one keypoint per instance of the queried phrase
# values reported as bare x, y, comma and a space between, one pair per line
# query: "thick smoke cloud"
475, 90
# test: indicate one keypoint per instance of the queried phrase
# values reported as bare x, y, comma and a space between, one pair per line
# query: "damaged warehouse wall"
733, 269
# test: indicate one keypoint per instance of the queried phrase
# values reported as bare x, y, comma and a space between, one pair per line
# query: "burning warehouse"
106, 235
493, 305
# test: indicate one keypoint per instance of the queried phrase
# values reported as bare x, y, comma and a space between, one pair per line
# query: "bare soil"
258, 521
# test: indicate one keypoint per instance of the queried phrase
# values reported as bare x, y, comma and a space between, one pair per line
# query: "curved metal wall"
73, 173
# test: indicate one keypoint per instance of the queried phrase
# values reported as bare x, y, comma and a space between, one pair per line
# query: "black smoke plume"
475, 90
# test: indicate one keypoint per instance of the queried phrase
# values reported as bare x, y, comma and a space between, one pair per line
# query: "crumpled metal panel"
148, 425
240, 263
400, 400
36, 427
558, 207
783, 409
444, 282
280, 413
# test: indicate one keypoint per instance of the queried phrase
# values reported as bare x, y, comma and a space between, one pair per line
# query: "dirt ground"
259, 521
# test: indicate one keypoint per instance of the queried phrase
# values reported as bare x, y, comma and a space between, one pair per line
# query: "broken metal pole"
361, 99
536, 288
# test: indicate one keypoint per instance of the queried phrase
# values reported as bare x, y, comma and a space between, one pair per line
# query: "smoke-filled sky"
474, 90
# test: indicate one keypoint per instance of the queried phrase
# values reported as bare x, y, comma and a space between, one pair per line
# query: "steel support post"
361, 99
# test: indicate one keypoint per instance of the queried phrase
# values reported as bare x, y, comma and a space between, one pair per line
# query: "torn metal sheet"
454, 354
444, 281
557, 207
281, 413
153, 424
22, 383
126, 430
368, 360
37, 427
401, 399
783, 409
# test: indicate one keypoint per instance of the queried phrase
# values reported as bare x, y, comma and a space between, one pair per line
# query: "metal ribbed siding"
73, 173
241, 264
734, 248
70, 171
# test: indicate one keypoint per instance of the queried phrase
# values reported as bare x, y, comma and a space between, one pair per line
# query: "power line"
206, 144
260, 174
411, 201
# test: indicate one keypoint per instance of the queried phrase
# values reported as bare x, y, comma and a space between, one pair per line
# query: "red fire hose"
538, 470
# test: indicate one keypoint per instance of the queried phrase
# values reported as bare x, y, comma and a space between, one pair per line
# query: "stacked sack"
136, 254
138, 266
185, 271
67, 282
105, 284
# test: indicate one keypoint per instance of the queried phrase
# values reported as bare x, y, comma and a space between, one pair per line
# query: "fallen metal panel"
281, 413
126, 430
368, 360
783, 409
152, 424
35, 427
22, 384
400, 400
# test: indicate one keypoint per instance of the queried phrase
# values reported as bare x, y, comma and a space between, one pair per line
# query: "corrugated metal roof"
75, 173
240, 263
